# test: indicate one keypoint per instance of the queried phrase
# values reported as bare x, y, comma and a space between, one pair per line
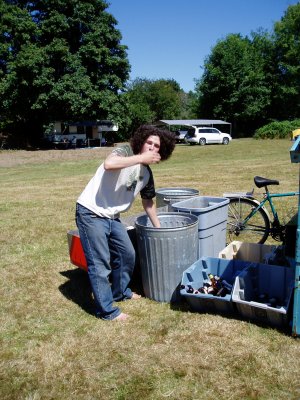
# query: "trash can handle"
167, 200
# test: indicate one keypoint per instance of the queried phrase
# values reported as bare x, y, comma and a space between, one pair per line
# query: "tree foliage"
63, 60
287, 42
233, 86
252, 81
152, 100
59, 60
277, 130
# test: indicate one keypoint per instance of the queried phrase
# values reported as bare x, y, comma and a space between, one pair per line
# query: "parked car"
180, 135
205, 135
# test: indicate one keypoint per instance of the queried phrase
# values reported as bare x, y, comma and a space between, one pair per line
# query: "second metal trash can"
166, 252
165, 197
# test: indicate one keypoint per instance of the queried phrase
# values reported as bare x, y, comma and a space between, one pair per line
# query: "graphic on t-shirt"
132, 180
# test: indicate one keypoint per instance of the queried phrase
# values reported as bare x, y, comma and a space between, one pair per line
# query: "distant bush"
277, 130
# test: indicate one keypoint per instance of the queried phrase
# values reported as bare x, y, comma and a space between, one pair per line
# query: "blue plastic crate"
263, 293
198, 274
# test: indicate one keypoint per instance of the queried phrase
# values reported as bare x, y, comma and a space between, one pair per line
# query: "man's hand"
114, 161
150, 157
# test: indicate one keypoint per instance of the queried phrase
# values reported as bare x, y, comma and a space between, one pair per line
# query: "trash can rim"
193, 220
191, 190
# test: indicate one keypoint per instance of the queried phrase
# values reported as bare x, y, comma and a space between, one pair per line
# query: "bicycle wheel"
256, 230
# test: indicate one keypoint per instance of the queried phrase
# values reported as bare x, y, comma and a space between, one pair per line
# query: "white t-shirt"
110, 193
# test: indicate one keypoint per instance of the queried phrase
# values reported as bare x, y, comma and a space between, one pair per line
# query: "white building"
83, 133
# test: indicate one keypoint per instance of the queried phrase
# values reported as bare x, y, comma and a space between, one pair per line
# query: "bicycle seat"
261, 182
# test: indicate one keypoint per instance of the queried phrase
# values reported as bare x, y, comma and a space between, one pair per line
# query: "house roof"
194, 122
90, 123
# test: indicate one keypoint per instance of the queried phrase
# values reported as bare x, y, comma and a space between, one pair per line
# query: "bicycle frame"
268, 198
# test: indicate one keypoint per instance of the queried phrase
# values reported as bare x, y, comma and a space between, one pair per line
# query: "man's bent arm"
150, 208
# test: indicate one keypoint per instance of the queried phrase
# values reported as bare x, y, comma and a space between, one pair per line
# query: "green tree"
233, 86
59, 60
152, 100
139, 104
287, 43
189, 105
253, 81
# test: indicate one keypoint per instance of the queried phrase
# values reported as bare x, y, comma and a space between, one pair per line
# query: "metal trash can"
165, 197
165, 253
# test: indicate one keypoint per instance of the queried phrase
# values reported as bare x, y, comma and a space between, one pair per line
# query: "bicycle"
248, 218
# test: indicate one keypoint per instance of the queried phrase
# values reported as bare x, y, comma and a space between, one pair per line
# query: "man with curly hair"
107, 247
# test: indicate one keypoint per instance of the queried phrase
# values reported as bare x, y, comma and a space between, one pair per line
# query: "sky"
170, 39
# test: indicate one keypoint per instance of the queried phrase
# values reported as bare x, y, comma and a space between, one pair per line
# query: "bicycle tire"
256, 230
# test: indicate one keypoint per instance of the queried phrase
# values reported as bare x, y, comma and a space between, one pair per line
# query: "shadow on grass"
284, 329
78, 289
184, 306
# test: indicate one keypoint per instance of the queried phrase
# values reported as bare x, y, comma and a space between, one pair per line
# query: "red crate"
77, 256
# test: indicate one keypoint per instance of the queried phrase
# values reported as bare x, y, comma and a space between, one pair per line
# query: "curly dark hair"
167, 140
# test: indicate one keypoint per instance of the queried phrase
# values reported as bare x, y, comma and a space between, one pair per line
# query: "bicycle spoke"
256, 230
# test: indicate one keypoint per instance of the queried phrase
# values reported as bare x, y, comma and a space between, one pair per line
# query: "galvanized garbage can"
167, 196
165, 253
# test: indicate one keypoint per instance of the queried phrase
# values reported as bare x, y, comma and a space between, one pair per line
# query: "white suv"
205, 135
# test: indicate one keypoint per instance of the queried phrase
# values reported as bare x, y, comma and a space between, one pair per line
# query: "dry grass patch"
52, 347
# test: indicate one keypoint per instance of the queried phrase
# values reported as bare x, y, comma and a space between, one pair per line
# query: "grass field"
52, 347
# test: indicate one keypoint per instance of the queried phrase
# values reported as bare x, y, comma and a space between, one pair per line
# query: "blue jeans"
110, 258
